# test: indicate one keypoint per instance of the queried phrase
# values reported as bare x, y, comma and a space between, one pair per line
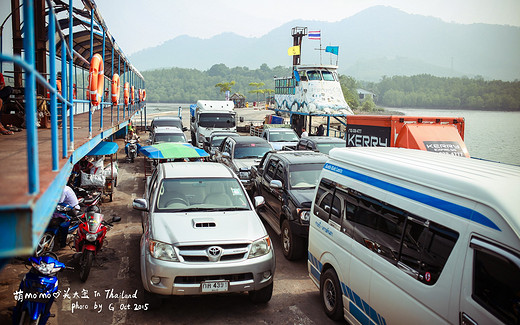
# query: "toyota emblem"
214, 253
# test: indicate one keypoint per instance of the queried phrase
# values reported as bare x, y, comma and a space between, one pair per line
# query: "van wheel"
330, 292
292, 246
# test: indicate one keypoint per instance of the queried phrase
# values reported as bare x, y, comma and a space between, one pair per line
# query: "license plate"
215, 286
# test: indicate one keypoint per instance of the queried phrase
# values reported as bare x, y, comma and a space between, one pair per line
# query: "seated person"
68, 197
131, 136
5, 92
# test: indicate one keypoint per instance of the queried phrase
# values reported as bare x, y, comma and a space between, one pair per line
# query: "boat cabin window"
314, 75
327, 76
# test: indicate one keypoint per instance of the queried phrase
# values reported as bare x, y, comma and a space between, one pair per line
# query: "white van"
403, 236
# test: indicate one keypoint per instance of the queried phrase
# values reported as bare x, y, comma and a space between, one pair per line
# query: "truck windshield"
304, 176
250, 150
282, 136
326, 147
200, 194
217, 120
169, 137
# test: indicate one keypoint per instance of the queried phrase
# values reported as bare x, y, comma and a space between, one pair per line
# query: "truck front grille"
201, 253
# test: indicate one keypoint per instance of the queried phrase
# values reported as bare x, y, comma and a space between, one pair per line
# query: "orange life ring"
144, 94
126, 93
116, 84
132, 94
96, 79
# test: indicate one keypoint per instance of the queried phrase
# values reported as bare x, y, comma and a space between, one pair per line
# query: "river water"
491, 135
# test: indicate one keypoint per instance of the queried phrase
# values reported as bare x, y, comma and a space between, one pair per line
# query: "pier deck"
30, 213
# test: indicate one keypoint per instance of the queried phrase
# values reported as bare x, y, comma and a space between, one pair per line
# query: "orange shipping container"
438, 134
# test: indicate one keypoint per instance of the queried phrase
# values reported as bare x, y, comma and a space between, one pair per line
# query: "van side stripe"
440, 204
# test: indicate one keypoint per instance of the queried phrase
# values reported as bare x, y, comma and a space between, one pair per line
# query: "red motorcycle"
89, 240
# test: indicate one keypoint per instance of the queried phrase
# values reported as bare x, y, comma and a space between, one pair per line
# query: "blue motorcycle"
68, 219
38, 290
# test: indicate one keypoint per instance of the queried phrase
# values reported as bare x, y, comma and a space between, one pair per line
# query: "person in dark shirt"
5, 92
321, 130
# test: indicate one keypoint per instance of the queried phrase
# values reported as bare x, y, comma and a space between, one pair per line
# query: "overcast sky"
138, 24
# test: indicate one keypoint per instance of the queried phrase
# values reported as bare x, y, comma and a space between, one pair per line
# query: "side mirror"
193, 119
241, 119
184, 128
259, 201
140, 204
275, 184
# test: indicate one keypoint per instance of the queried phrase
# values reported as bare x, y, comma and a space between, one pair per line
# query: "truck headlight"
304, 215
162, 251
260, 247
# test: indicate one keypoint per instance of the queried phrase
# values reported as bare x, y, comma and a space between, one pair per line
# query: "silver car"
202, 234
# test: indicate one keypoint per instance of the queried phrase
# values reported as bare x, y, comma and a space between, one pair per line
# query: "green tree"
256, 91
225, 86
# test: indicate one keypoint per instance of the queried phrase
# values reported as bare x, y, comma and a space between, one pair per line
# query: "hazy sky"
138, 24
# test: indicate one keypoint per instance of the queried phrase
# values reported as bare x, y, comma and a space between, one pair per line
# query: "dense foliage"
177, 85
428, 91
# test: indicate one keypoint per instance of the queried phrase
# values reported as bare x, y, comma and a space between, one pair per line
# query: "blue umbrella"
172, 150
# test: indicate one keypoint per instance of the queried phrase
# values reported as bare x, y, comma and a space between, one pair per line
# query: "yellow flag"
295, 50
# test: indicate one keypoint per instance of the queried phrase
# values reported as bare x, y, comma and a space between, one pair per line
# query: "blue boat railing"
62, 105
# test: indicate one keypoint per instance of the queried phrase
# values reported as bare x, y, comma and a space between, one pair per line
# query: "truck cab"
210, 116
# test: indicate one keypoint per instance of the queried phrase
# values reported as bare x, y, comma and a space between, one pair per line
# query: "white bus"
403, 236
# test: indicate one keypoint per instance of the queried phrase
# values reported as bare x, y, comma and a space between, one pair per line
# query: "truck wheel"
330, 292
261, 296
292, 246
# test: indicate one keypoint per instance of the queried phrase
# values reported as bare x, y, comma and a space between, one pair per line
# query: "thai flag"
315, 34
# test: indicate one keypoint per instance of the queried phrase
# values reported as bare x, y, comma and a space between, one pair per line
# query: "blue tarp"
104, 148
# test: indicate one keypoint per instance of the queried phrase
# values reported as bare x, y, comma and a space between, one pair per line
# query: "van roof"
494, 184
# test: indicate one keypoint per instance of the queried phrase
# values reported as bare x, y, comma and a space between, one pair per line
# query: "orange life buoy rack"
132, 94
126, 93
96, 80
116, 85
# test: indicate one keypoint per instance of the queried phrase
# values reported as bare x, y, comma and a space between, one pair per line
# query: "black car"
286, 180
215, 140
240, 153
171, 121
321, 144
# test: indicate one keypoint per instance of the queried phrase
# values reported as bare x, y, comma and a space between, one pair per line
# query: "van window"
419, 247
496, 284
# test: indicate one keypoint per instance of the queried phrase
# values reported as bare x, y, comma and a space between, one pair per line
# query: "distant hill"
379, 41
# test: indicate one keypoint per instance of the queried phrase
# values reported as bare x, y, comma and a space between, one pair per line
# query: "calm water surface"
488, 134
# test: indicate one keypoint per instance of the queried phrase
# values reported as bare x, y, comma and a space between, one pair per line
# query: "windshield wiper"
230, 209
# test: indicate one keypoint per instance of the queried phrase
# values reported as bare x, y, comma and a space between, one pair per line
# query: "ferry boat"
311, 89
63, 113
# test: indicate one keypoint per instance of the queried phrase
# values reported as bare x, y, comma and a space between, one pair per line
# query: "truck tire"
193, 140
292, 246
330, 293
261, 296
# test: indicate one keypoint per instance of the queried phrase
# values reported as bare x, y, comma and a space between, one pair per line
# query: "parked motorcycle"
37, 290
132, 150
89, 240
88, 197
51, 234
